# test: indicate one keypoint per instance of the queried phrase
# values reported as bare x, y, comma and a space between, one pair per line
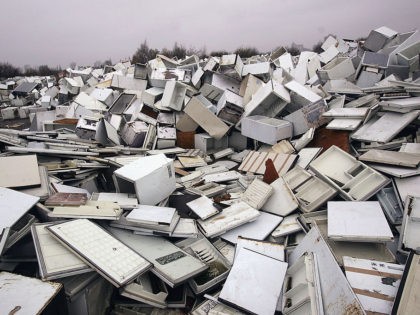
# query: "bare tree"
143, 54
317, 47
294, 49
246, 52
107, 62
97, 64
218, 53
179, 51
8, 71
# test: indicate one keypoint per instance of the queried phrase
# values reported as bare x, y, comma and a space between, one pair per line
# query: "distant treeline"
8, 70
144, 53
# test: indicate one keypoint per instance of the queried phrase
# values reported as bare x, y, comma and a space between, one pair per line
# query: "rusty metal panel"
185, 139
66, 199
326, 138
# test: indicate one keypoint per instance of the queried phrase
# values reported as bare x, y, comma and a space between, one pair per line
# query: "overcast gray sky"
57, 32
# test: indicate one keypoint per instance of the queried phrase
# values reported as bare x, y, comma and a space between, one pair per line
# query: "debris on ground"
277, 183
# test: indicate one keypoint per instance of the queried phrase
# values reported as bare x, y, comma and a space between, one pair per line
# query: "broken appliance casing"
302, 288
310, 191
410, 229
267, 130
219, 266
353, 179
151, 178
83, 291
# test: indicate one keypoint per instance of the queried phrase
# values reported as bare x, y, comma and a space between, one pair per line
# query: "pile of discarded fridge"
228, 185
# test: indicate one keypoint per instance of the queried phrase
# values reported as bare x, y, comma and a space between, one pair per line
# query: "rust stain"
170, 75
353, 309
375, 272
374, 294
181, 172
15, 310
219, 199
66, 121
149, 112
185, 140
326, 138
270, 174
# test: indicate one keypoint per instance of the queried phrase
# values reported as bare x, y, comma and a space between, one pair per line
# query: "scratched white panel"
362, 221
375, 283
337, 295
23, 295
203, 207
247, 272
13, 205
274, 250
258, 229
231, 217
